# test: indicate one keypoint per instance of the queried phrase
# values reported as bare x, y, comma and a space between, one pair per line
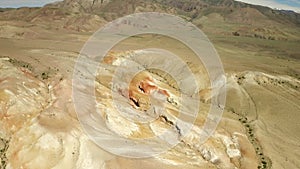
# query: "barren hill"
259, 48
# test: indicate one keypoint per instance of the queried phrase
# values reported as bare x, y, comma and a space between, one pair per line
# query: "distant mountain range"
223, 17
190, 8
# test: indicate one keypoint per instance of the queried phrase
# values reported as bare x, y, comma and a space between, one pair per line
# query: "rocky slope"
38, 123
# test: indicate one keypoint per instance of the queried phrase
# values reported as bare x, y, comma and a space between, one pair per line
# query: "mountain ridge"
201, 6
234, 18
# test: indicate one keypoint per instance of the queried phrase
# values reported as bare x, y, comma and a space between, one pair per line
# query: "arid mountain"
191, 8
240, 19
259, 49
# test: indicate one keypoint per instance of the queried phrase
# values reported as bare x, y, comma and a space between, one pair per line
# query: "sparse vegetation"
4, 146
45, 75
20, 63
